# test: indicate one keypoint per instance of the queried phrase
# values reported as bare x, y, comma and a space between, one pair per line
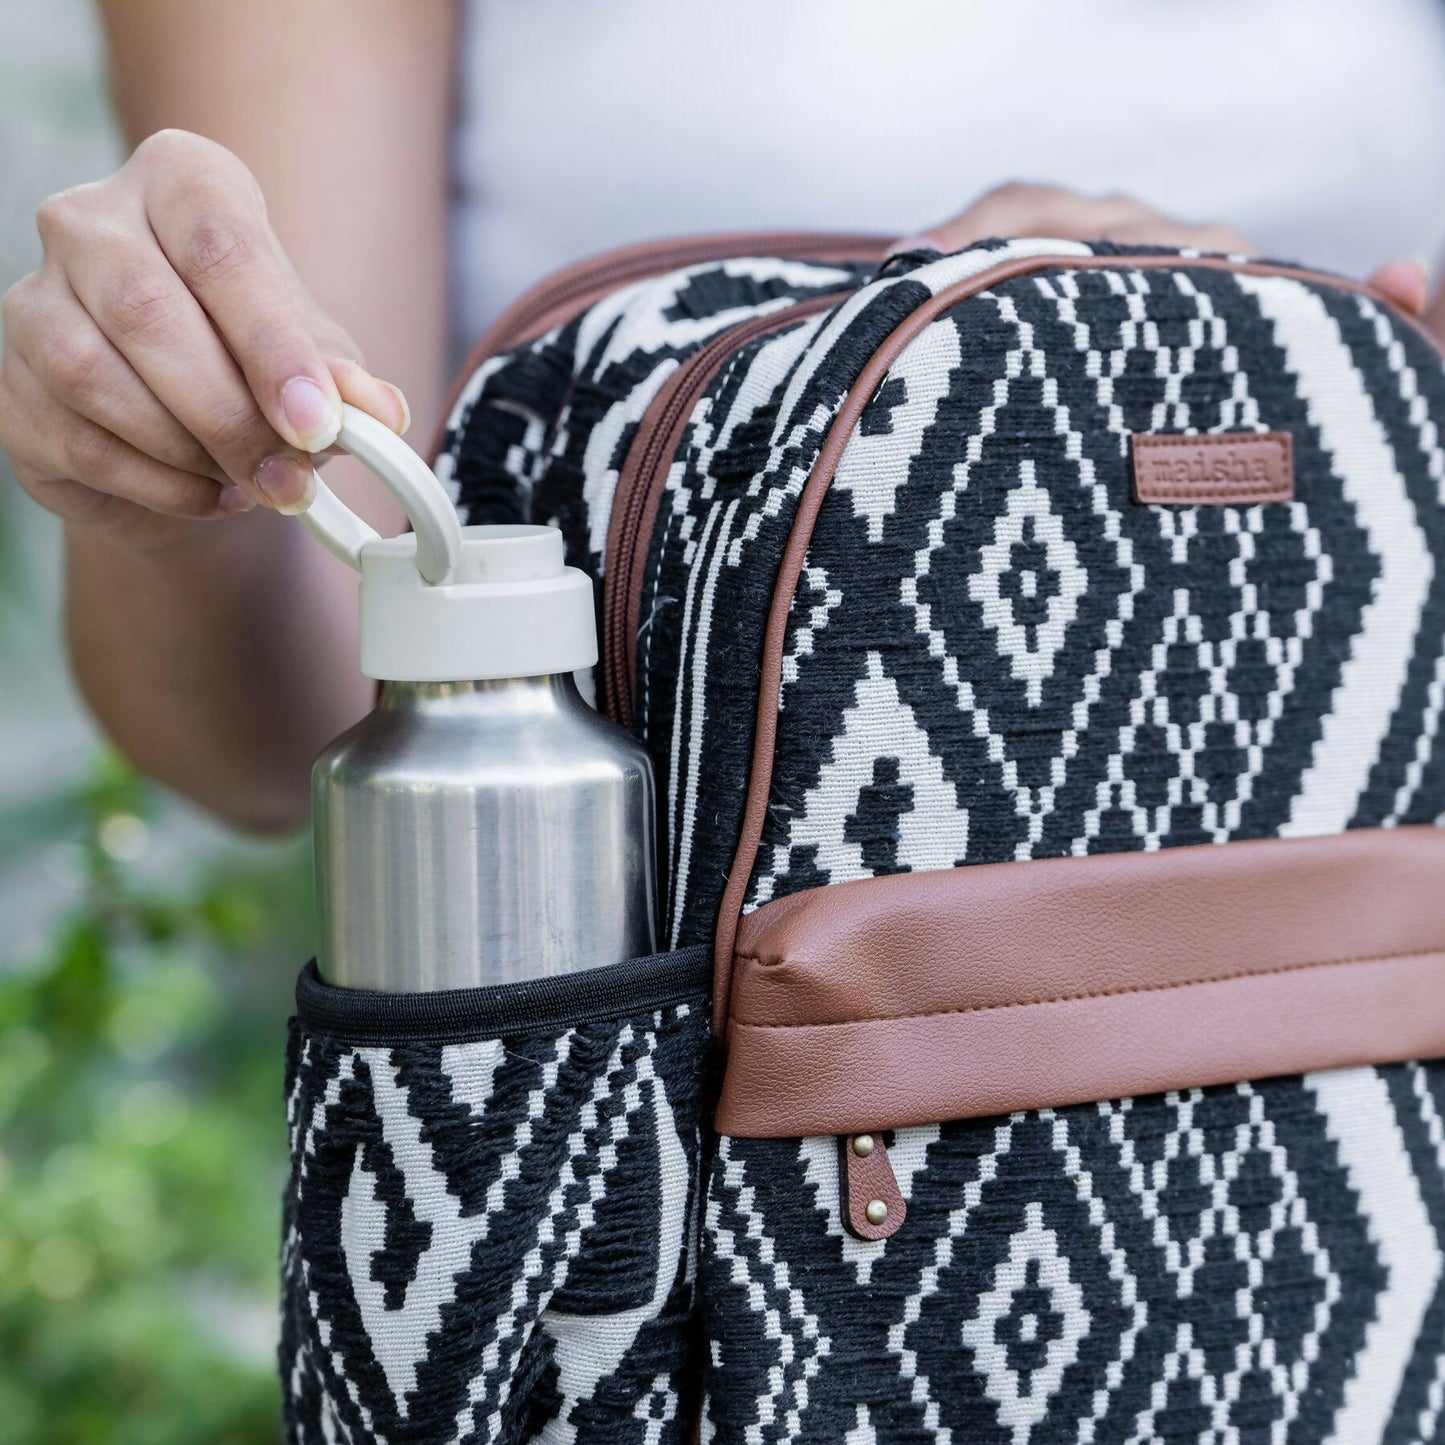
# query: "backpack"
1042, 653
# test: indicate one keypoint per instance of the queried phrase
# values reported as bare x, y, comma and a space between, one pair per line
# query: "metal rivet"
862, 1145
877, 1211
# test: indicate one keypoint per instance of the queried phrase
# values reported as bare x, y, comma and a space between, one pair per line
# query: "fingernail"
287, 484
312, 414
400, 396
233, 501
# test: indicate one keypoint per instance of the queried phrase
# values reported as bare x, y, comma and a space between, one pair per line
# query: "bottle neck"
518, 696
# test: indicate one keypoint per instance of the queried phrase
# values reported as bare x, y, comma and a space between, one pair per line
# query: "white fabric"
1315, 127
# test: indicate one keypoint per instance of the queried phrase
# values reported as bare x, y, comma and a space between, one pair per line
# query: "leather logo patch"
1233, 469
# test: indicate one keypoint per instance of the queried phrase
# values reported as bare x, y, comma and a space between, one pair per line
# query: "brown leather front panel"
919, 997
1230, 469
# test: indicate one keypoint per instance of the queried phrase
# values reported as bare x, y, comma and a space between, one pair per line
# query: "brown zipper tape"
629, 532
872, 376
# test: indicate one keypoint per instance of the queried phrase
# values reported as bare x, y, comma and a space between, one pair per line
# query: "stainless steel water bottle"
483, 825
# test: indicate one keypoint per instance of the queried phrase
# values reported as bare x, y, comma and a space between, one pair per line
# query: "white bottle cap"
449, 603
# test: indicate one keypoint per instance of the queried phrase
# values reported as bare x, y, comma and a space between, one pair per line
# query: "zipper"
574, 288
641, 482
570, 291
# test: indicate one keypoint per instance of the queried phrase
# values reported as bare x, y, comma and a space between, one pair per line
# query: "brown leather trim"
815, 490
571, 290
868, 1179
919, 997
787, 1083
1233, 469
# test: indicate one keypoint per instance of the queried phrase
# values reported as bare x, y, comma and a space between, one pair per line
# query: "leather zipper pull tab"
873, 1206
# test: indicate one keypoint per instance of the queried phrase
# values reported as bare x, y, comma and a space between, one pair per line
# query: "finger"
56, 450
75, 362
212, 229
1160, 231
1404, 283
135, 297
1050, 211
359, 388
1223, 239
76, 503
918, 241
1022, 208
1126, 226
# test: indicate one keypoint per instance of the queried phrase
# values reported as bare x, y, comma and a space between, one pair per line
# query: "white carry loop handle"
428, 508
452, 603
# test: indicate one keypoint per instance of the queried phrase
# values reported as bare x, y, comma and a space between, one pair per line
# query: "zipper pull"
873, 1206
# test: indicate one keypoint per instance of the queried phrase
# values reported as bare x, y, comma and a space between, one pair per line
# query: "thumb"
1405, 283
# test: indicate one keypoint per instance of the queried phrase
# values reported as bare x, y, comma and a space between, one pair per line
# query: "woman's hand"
165, 365
1022, 209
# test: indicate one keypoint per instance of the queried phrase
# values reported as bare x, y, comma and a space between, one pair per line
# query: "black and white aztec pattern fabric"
995, 655
1020, 663
1259, 1262
540, 434
491, 1233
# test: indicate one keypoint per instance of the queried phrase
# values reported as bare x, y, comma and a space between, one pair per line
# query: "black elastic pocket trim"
453, 1015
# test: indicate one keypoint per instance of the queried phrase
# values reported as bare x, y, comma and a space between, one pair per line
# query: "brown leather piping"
1328, 1024
566, 293
816, 488
917, 997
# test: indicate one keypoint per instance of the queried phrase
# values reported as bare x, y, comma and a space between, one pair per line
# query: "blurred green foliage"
142, 1141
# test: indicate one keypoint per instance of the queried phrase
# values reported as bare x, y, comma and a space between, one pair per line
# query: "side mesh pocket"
489, 1218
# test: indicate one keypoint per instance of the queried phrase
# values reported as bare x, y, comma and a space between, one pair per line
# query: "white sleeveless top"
1314, 127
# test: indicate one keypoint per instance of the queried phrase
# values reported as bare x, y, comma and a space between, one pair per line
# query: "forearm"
221, 665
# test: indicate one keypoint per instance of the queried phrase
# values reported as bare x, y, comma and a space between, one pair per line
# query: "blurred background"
147, 960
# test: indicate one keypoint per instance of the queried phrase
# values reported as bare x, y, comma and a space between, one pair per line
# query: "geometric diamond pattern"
1028, 1325
1094, 675
1028, 584
994, 655
1202, 1265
